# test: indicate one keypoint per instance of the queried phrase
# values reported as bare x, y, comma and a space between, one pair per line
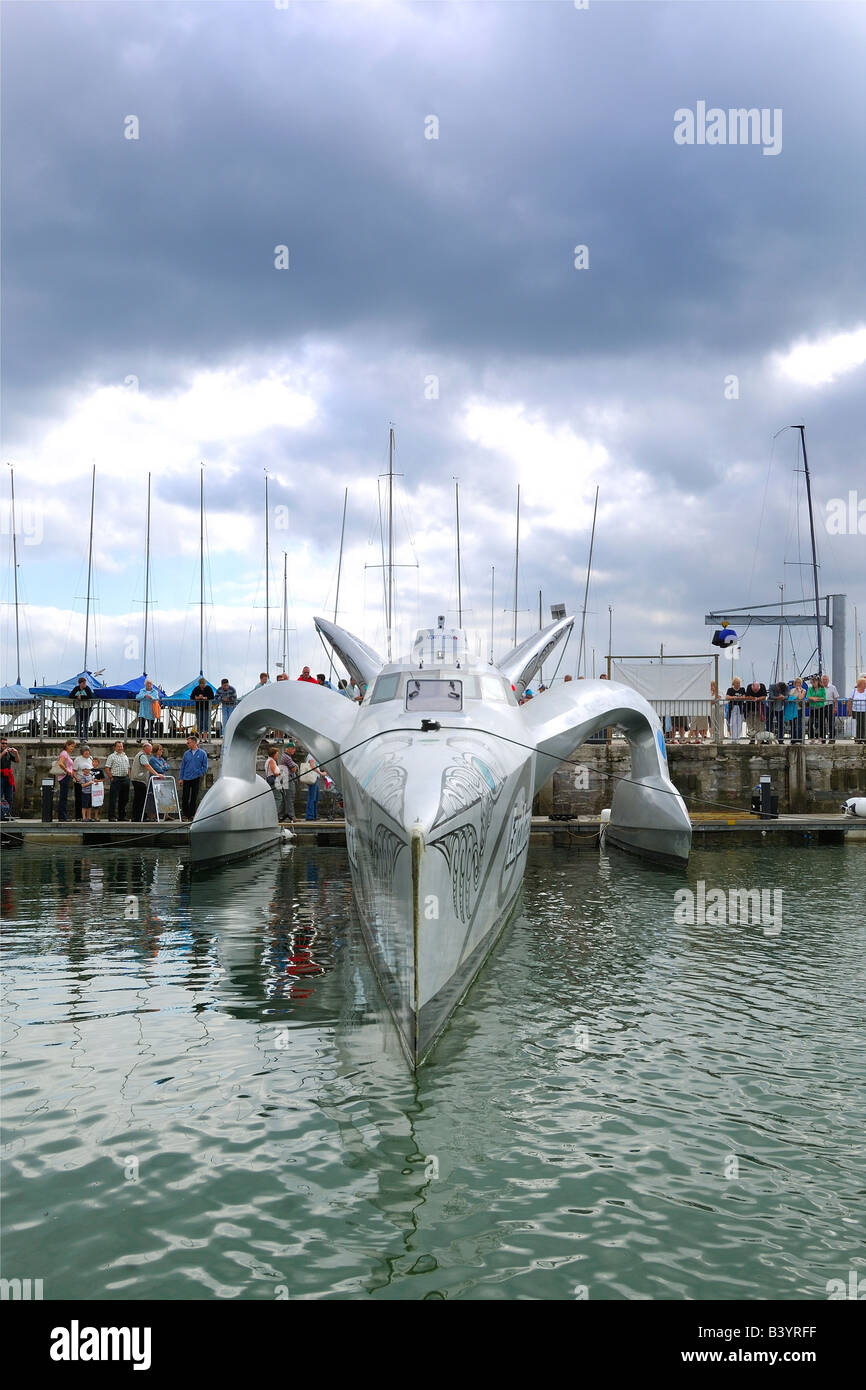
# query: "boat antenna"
516, 563
201, 571
267, 580
339, 573
89, 566
459, 583
580, 651
609, 636
802, 429
15, 572
146, 577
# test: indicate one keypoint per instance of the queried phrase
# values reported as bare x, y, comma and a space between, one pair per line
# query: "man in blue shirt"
192, 770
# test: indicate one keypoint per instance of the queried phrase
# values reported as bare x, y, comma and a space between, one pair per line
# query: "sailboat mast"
459, 581
201, 572
516, 563
390, 614
540, 669
15, 572
492, 593
802, 429
89, 566
267, 582
285, 616
146, 578
586, 589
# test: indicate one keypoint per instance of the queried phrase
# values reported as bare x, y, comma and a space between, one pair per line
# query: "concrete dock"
332, 833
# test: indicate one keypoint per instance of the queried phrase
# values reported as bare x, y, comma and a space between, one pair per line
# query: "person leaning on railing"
776, 705
794, 705
816, 698
756, 709
735, 695
82, 700
831, 699
227, 698
202, 694
857, 708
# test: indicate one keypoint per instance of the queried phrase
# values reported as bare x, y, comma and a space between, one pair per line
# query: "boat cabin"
439, 692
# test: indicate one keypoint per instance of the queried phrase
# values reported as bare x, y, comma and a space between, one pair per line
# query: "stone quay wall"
810, 778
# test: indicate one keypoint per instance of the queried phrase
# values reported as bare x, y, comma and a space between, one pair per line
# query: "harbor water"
205, 1097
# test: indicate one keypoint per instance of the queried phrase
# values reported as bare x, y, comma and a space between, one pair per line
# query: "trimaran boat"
438, 767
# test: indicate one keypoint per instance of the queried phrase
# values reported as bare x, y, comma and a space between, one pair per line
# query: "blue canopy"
131, 690
182, 699
15, 695
64, 689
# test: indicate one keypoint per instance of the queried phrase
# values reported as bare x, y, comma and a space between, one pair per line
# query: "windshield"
437, 696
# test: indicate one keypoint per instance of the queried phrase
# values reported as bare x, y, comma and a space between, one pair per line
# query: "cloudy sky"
430, 170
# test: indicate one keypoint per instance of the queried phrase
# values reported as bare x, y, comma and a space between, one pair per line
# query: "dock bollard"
765, 802
48, 799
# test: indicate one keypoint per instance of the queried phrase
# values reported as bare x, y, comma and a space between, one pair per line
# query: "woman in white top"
83, 765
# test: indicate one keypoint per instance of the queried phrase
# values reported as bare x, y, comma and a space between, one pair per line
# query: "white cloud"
127, 432
820, 361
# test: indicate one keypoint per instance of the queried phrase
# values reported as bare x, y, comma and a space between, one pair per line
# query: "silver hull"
438, 833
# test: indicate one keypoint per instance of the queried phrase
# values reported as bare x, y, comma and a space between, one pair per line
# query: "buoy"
855, 806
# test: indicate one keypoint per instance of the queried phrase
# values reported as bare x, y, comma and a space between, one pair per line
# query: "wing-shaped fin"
648, 815
362, 663
521, 664
239, 813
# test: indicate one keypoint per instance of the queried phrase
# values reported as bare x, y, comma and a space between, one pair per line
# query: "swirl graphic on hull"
463, 854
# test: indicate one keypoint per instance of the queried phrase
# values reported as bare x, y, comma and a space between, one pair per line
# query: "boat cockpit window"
434, 696
385, 688
495, 688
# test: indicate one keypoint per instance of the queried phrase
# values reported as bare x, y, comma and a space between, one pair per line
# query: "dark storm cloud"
451, 257
261, 126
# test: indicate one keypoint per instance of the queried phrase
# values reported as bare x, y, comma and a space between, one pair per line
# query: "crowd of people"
125, 777
797, 710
